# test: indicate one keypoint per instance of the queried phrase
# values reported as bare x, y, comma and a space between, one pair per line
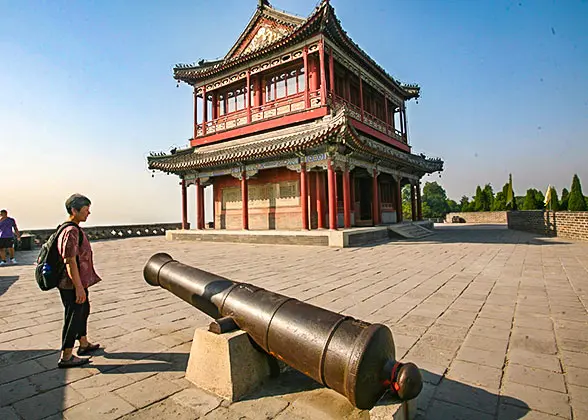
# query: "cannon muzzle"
352, 357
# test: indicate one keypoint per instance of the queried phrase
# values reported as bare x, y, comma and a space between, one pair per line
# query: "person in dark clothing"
73, 287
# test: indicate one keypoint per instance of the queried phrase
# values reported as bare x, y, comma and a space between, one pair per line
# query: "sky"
86, 92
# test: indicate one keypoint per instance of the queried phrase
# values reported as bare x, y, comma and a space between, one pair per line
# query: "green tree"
533, 200
565, 197
488, 197
518, 202
540, 200
436, 199
499, 203
554, 202
576, 201
479, 199
406, 203
453, 206
464, 203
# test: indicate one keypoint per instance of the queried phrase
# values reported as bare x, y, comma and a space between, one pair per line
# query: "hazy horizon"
87, 92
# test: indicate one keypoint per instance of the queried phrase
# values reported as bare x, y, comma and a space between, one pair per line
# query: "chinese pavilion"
297, 128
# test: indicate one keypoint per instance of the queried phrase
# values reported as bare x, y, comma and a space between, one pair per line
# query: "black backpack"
50, 267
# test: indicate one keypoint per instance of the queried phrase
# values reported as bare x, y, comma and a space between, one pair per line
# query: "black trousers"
75, 323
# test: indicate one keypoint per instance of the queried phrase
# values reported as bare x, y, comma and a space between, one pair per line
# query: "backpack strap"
62, 227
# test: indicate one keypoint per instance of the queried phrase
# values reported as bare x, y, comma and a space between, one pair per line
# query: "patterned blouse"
67, 244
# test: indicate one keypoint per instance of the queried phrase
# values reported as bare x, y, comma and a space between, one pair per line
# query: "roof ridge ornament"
262, 3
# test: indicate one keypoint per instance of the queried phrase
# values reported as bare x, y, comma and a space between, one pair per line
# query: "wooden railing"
368, 119
279, 107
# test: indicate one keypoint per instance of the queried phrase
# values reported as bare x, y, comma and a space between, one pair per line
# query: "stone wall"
564, 224
490, 217
111, 232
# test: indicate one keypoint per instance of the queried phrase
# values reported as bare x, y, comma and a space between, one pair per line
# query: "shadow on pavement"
6, 282
33, 388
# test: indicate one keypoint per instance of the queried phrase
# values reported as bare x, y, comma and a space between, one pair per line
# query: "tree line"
436, 204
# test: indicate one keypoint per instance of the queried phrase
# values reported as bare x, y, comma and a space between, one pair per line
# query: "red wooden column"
419, 202
405, 124
322, 70
320, 195
352, 183
214, 105
413, 202
303, 196
375, 199
248, 96
199, 205
204, 110
398, 201
332, 197
184, 206
306, 86
312, 190
386, 113
332, 72
346, 199
245, 200
360, 96
195, 113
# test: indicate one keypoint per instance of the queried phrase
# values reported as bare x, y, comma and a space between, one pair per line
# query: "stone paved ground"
496, 319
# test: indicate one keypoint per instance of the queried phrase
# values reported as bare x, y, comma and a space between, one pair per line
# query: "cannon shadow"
6, 282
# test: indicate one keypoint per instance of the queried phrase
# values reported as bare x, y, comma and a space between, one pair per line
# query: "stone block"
226, 364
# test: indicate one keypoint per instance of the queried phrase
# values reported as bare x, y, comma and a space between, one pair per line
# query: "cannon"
350, 356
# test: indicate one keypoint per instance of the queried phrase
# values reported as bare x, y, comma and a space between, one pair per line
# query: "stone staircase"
410, 230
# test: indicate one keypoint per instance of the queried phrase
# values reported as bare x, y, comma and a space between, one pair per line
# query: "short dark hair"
76, 201
3, 211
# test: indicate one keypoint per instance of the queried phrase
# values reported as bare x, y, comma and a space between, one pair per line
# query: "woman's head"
78, 206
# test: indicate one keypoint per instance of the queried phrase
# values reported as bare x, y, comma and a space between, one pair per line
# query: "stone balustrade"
111, 232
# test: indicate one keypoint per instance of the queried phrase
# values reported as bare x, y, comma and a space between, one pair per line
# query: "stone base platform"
341, 238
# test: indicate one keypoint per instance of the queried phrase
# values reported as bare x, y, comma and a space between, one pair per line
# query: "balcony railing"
369, 119
277, 108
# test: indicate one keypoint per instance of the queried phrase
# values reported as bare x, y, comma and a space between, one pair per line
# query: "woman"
73, 288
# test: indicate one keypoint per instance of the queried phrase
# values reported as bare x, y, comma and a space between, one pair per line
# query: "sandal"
73, 361
90, 348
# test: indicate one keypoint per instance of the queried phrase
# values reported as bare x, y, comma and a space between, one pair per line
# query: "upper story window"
280, 85
232, 100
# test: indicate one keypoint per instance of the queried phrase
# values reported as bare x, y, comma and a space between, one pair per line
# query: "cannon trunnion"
352, 357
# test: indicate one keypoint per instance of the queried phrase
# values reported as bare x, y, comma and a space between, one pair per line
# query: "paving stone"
534, 360
535, 377
7, 413
511, 412
105, 407
19, 370
441, 410
48, 403
465, 395
486, 343
577, 376
148, 391
475, 374
482, 357
534, 341
543, 400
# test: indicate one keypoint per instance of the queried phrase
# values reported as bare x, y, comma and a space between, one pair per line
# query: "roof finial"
262, 3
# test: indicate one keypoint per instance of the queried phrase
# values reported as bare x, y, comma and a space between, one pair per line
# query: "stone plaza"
496, 319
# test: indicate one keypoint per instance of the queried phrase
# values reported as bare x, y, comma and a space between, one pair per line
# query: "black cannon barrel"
352, 357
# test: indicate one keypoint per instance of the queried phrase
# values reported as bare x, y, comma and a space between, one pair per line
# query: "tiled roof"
322, 20
286, 141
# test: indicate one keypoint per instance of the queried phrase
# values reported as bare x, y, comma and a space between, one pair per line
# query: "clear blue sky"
86, 91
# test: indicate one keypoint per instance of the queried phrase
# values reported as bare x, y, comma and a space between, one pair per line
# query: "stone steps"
410, 230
